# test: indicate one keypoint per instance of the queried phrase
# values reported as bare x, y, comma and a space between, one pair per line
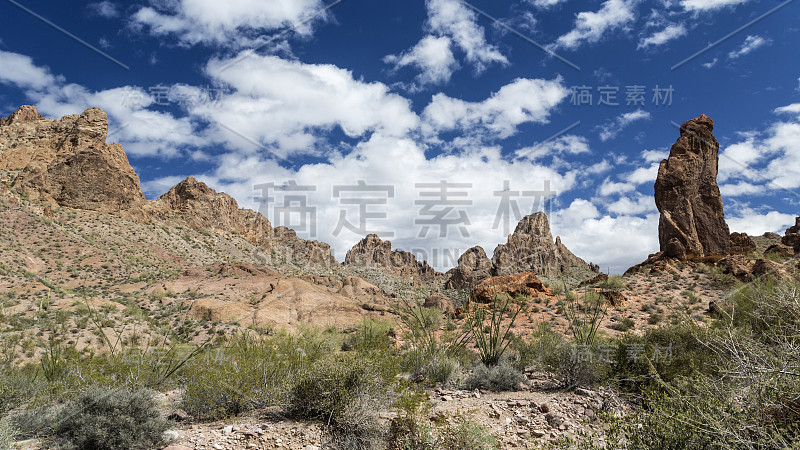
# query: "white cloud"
711, 63
794, 108
735, 159
638, 205
521, 101
233, 23
750, 44
546, 3
591, 26
105, 9
570, 144
670, 32
609, 188
286, 105
452, 18
611, 129
754, 223
654, 155
432, 56
20, 70
615, 243
141, 130
739, 189
643, 175
709, 5
450, 22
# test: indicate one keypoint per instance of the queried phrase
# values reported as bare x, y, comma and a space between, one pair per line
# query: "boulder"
473, 267
692, 222
439, 301
739, 266
599, 278
779, 250
525, 284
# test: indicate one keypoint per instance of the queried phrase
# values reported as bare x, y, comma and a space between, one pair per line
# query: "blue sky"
516, 106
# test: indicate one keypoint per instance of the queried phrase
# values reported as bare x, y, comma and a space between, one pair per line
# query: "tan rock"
374, 252
473, 267
742, 244
439, 301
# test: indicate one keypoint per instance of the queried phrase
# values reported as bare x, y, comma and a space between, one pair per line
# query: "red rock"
524, 284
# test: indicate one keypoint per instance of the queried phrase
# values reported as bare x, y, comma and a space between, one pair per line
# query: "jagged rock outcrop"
66, 162
531, 248
473, 267
372, 251
525, 284
792, 236
742, 244
203, 208
692, 222
439, 301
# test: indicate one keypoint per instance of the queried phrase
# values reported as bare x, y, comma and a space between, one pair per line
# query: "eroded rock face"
372, 251
692, 222
742, 244
792, 236
473, 267
67, 162
531, 248
203, 208
522, 284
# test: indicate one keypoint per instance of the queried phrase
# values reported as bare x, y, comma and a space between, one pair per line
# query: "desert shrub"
498, 378
252, 372
7, 434
99, 418
584, 314
613, 282
16, 387
411, 430
623, 325
440, 368
345, 392
371, 335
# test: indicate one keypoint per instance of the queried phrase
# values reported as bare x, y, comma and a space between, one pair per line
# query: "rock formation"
531, 248
792, 236
66, 162
374, 252
473, 267
742, 244
692, 222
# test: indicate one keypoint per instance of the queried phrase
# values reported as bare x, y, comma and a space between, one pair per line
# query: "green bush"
486, 328
252, 372
99, 418
345, 392
441, 369
614, 283
7, 434
497, 378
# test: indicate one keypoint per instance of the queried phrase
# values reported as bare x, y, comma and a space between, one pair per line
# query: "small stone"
447, 398
538, 433
217, 446
227, 430
171, 435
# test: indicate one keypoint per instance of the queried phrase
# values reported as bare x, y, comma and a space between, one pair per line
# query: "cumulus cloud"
450, 22
611, 129
661, 37
20, 70
521, 101
590, 26
284, 105
750, 221
615, 242
546, 3
750, 44
143, 131
233, 23
711, 63
431, 56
